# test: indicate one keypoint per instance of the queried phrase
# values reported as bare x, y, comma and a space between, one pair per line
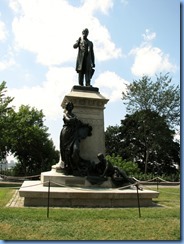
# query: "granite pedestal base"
35, 194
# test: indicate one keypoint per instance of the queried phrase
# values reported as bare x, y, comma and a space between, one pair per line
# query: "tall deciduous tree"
159, 96
31, 143
112, 140
147, 140
23, 133
5, 122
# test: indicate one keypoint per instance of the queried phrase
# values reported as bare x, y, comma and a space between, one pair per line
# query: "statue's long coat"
82, 56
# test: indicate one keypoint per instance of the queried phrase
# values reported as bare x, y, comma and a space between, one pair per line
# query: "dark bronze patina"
85, 59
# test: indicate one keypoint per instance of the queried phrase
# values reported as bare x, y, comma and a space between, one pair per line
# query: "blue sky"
130, 37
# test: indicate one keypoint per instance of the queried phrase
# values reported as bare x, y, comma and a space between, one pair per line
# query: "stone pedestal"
60, 179
89, 107
35, 194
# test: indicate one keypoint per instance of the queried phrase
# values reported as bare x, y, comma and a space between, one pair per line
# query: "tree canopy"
145, 138
153, 109
112, 140
159, 96
5, 122
31, 143
24, 134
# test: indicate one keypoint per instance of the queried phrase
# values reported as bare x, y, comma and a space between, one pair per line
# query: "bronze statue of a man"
85, 59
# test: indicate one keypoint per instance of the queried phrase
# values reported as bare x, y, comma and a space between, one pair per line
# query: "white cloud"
7, 60
150, 60
49, 29
6, 64
101, 5
104, 48
57, 84
3, 32
49, 95
149, 36
111, 85
14, 5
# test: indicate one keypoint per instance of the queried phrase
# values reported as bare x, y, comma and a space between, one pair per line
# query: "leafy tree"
112, 140
147, 140
5, 122
24, 134
159, 96
30, 142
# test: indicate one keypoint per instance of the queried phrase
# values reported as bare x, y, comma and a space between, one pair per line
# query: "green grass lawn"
156, 223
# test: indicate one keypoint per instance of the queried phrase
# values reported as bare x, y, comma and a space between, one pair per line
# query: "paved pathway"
16, 200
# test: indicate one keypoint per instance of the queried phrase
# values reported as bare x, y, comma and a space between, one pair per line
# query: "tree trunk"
146, 161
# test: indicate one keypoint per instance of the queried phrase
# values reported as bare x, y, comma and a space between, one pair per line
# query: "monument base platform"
35, 194
57, 178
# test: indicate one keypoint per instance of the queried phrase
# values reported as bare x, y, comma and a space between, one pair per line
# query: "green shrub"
150, 176
172, 177
129, 167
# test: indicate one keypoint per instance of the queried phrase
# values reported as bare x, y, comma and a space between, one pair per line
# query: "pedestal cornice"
85, 97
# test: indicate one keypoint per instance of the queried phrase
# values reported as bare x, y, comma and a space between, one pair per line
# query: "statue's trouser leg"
87, 78
81, 78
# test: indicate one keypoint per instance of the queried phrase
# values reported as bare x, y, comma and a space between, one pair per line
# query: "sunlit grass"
156, 223
5, 195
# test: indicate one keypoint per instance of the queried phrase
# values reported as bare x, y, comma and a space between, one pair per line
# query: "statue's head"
100, 156
85, 32
69, 106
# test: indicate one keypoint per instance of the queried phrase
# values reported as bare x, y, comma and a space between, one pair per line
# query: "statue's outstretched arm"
76, 45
